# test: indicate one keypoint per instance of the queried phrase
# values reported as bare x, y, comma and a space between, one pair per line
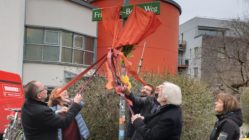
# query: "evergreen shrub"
101, 110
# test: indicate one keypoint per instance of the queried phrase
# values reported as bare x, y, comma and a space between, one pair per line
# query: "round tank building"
160, 48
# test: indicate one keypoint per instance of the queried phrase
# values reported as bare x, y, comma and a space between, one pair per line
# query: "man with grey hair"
166, 122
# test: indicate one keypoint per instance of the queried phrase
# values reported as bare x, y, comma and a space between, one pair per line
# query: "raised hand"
61, 110
78, 98
134, 117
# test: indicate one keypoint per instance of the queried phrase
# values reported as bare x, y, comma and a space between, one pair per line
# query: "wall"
12, 15
51, 75
60, 14
220, 69
189, 30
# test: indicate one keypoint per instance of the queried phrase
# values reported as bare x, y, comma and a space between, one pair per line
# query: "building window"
67, 47
48, 45
34, 36
42, 45
51, 37
211, 31
190, 53
195, 72
197, 52
180, 59
89, 49
221, 53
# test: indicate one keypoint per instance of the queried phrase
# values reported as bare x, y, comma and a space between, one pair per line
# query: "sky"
218, 9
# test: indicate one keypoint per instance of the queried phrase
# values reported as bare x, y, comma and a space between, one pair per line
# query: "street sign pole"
121, 134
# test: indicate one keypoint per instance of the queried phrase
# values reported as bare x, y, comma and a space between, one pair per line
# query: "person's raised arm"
53, 120
136, 100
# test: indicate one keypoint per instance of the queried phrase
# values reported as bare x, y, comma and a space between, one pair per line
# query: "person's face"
160, 99
41, 92
64, 96
219, 106
146, 91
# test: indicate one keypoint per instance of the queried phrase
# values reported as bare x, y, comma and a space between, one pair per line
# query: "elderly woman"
59, 103
229, 118
166, 122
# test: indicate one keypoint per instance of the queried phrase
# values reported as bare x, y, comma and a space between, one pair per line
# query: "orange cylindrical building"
161, 47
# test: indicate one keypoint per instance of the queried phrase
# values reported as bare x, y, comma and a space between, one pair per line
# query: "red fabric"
112, 22
139, 25
128, 66
119, 56
71, 132
109, 73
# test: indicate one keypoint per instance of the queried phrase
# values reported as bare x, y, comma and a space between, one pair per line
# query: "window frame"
45, 35
61, 46
196, 72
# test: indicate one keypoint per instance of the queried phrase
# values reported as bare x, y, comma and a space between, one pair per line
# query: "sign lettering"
126, 10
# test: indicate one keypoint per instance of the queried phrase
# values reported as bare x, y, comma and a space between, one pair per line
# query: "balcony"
182, 45
183, 64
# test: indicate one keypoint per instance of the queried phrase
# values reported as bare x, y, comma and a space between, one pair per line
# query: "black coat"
144, 105
41, 123
227, 126
166, 124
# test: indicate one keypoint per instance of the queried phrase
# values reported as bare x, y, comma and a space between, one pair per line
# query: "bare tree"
225, 58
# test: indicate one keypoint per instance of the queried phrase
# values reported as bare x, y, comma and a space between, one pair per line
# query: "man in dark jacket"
166, 122
38, 120
145, 104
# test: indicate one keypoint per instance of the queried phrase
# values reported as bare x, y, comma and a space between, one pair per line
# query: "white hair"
172, 92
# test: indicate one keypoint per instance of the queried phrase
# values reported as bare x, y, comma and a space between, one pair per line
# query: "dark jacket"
41, 123
227, 126
144, 105
165, 124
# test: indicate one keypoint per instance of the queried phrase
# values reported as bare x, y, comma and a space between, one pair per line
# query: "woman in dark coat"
229, 117
166, 123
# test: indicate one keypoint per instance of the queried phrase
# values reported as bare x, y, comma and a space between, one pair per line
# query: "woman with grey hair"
166, 122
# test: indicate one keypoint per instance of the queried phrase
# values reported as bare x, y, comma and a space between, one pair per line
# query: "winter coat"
228, 126
84, 131
144, 105
165, 124
41, 123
